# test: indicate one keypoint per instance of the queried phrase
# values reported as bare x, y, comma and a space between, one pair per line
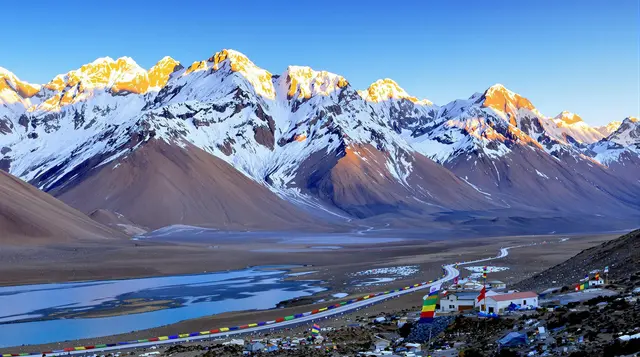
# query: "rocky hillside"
621, 255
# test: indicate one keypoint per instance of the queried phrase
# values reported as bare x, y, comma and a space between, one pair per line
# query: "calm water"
42, 313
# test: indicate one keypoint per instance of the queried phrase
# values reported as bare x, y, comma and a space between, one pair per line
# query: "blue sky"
581, 56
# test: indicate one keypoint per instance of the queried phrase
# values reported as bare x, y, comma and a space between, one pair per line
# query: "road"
450, 273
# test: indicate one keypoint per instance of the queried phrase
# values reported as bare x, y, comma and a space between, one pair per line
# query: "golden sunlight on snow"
196, 67
259, 78
503, 100
567, 118
385, 89
306, 82
160, 72
116, 76
13, 90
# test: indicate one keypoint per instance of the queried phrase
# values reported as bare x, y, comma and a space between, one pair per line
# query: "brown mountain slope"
161, 184
117, 221
531, 179
358, 180
621, 255
28, 215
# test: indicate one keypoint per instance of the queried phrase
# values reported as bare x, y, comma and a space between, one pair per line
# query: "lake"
43, 313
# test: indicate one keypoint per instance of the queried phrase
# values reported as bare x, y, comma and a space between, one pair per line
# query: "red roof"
513, 296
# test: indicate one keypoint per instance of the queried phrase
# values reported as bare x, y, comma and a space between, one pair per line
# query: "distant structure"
458, 301
594, 282
497, 285
472, 285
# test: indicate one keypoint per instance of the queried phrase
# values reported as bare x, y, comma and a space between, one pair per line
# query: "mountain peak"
628, 134
387, 89
102, 73
12, 89
259, 78
567, 117
606, 130
160, 72
238, 61
119, 76
501, 99
306, 82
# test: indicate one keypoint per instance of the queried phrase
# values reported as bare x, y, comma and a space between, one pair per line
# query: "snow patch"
541, 174
398, 271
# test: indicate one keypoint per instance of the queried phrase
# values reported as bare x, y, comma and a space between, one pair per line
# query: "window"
524, 302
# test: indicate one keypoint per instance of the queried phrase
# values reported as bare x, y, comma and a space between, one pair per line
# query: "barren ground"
131, 259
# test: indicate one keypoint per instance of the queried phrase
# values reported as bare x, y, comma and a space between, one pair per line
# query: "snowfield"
397, 271
490, 269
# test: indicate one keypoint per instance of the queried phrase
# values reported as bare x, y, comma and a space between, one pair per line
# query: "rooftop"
513, 296
464, 294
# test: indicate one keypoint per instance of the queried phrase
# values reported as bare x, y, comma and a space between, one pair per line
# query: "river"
43, 313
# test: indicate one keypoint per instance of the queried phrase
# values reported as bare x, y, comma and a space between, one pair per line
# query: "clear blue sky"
581, 56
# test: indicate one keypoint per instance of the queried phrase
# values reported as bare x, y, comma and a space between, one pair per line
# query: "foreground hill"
621, 255
28, 215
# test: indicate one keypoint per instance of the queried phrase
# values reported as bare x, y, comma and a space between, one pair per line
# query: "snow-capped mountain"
224, 142
572, 129
627, 134
500, 143
606, 130
620, 151
405, 113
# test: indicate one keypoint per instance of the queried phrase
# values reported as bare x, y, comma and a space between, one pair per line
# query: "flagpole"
485, 291
429, 343
485, 301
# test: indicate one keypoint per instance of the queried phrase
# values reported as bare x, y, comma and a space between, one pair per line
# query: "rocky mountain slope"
28, 215
226, 143
621, 255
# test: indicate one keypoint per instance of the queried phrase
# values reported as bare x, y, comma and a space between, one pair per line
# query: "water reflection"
55, 312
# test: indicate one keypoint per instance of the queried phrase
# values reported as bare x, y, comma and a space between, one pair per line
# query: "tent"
256, 347
513, 339
489, 315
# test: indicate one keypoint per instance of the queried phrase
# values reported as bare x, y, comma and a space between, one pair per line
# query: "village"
475, 316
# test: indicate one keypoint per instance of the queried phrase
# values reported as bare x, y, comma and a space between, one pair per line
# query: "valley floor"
335, 267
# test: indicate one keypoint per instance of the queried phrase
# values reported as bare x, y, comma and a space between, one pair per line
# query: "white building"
458, 301
472, 285
499, 303
497, 284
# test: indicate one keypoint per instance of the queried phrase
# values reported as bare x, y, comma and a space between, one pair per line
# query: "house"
472, 285
497, 284
381, 344
413, 347
458, 301
499, 303
255, 347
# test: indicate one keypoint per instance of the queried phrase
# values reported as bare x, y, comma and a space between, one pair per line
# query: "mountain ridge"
312, 139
